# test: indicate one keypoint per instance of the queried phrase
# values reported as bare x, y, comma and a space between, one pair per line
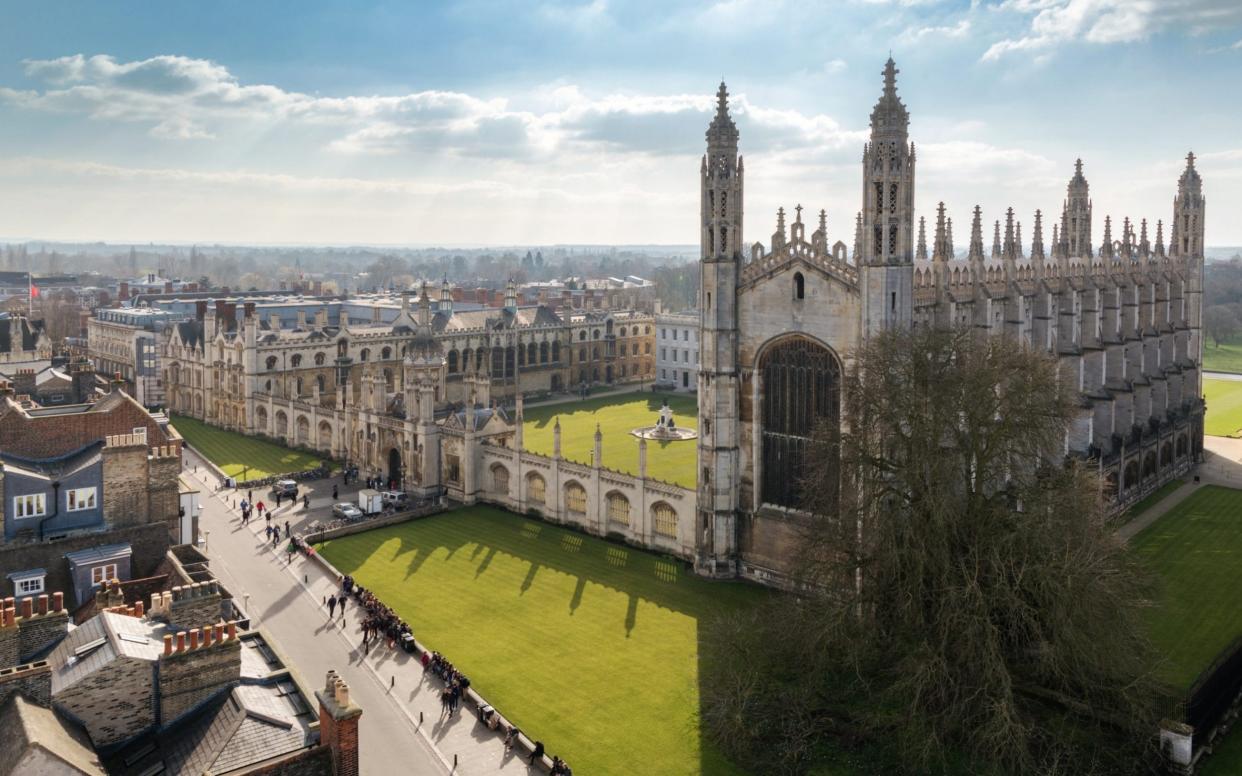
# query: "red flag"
34, 291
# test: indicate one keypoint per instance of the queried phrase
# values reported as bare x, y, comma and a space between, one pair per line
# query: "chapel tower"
886, 265
721, 255
1076, 216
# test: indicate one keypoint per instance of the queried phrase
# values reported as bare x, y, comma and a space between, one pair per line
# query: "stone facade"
779, 323
356, 391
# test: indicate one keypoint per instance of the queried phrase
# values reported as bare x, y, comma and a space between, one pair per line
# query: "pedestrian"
537, 752
275, 537
342, 603
286, 529
250, 495
268, 518
511, 737
334, 492
278, 501
262, 507
306, 501
331, 606
268, 532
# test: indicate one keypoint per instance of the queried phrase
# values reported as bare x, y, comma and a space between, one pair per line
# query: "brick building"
87, 493
135, 691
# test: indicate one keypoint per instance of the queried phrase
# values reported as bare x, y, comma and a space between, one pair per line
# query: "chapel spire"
1037, 240
921, 251
975, 255
1076, 216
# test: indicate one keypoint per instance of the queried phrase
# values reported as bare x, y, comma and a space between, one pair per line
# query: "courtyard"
591, 647
1224, 407
1195, 550
241, 456
617, 416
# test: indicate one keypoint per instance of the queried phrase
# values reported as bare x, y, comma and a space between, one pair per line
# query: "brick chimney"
122, 293
24, 382
168, 287
338, 725
200, 309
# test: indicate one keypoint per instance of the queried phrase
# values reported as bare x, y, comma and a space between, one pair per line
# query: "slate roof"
232, 732
143, 639
25, 726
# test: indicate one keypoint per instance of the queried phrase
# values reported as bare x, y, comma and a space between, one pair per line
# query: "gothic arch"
282, 424
618, 508
801, 388
303, 430
325, 436
500, 479
536, 488
575, 498
260, 418
664, 519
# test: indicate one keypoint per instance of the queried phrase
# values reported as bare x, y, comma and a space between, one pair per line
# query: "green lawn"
1224, 407
590, 647
1226, 358
1195, 550
239, 455
1153, 498
617, 416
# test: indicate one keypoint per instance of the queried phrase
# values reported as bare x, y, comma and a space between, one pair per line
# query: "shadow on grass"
645, 578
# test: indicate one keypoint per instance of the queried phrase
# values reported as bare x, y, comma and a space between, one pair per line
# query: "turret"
921, 250
446, 297
975, 254
1186, 237
888, 213
1076, 215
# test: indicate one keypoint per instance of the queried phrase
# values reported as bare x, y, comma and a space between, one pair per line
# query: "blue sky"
582, 122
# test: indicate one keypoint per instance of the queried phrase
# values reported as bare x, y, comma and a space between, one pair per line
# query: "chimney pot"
27, 608
207, 631
9, 603
342, 694
139, 609
43, 603
232, 630
219, 632
193, 638
181, 641
58, 601
168, 643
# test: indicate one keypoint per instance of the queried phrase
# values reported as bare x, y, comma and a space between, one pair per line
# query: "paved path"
286, 602
1222, 465
1222, 376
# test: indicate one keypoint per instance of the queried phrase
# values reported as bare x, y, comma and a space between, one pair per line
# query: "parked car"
396, 499
285, 488
346, 511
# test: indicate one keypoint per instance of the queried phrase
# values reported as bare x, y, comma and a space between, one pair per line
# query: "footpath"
402, 725
1222, 465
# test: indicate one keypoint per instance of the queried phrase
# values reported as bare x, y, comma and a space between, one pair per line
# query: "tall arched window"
618, 509
556, 352
801, 388
799, 286
295, 361
271, 362
500, 479
365, 354
319, 359
452, 361
535, 488
663, 520
386, 353
575, 498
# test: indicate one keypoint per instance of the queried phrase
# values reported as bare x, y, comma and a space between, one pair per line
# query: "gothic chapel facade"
779, 322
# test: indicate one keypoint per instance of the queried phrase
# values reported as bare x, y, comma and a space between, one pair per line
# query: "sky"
538, 122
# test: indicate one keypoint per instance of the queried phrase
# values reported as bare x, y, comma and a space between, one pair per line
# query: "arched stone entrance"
394, 467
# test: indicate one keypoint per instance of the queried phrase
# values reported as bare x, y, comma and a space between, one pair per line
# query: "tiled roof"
25, 725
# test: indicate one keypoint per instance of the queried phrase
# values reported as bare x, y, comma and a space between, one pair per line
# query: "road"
286, 603
1223, 376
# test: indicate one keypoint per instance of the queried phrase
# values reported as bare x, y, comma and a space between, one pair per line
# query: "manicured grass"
1226, 758
1153, 498
1195, 550
590, 647
239, 455
1226, 358
1224, 407
617, 416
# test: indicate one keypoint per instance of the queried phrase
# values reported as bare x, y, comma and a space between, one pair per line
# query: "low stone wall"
471, 697
368, 525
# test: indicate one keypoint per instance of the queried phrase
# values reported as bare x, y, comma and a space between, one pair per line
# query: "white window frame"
28, 586
30, 505
102, 573
80, 499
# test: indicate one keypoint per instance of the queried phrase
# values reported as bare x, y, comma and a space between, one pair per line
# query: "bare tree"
963, 595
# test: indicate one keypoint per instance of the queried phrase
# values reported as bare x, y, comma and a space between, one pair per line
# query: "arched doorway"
394, 467
801, 388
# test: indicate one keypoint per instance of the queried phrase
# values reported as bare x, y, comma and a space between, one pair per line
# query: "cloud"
912, 35
180, 98
1056, 22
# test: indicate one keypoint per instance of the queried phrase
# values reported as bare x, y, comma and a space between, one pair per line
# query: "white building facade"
677, 351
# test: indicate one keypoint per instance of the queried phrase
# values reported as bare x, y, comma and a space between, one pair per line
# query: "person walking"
536, 753
341, 601
286, 529
334, 493
331, 606
261, 507
250, 495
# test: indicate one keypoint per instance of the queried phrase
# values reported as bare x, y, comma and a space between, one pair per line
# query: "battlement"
126, 440
197, 639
